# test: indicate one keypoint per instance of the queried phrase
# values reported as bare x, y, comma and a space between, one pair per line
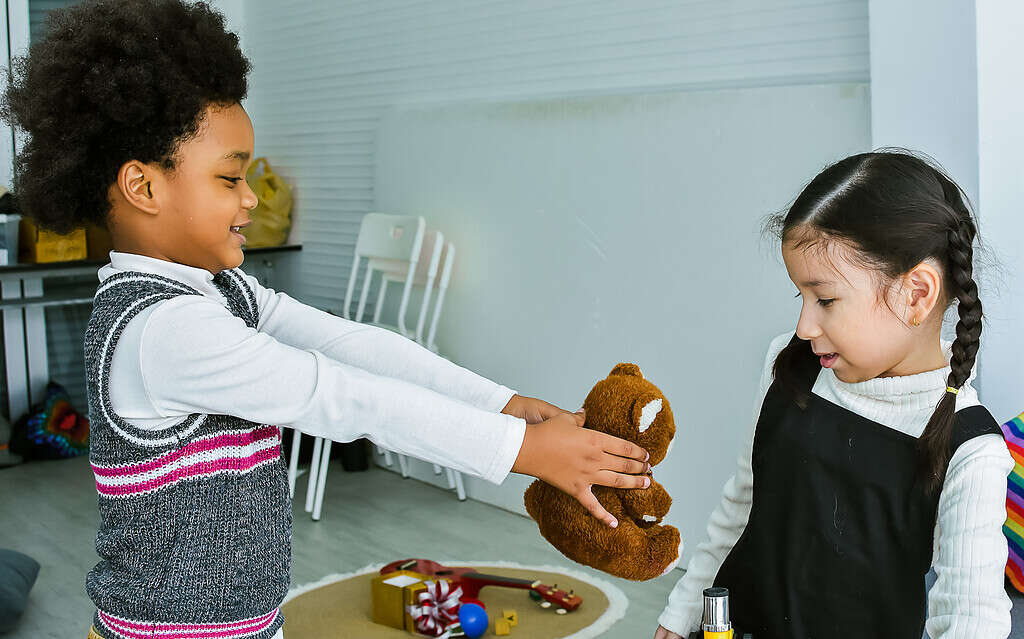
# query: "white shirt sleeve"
685, 606
195, 356
374, 349
969, 599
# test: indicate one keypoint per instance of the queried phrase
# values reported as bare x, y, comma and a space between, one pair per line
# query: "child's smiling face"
208, 198
191, 214
857, 323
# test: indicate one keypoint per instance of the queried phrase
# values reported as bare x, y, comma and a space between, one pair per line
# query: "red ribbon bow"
438, 608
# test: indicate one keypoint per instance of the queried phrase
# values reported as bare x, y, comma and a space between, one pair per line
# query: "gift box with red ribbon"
417, 603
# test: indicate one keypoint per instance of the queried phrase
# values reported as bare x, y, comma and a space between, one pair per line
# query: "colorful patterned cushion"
1013, 430
53, 430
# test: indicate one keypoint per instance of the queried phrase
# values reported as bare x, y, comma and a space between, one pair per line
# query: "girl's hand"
533, 410
661, 633
571, 458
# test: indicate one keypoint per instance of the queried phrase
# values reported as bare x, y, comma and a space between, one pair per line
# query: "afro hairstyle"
113, 81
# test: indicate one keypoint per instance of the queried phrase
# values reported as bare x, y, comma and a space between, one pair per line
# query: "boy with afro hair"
133, 116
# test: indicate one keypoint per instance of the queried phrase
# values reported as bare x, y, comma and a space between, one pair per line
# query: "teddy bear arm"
648, 505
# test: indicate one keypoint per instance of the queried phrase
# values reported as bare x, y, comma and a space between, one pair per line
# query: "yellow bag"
271, 219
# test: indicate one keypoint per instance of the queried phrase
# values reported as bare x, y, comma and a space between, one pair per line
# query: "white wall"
591, 231
924, 82
1001, 196
325, 71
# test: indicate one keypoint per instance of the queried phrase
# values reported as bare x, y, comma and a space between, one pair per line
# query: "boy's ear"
135, 182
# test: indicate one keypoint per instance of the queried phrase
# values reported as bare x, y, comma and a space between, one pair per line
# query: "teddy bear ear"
645, 411
626, 369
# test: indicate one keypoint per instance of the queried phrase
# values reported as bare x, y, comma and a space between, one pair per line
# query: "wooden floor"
48, 511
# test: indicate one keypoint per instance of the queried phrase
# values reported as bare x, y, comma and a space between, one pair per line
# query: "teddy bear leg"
663, 550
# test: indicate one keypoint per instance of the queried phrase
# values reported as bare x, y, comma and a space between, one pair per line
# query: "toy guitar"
472, 581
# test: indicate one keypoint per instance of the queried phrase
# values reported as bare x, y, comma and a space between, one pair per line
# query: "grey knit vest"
195, 520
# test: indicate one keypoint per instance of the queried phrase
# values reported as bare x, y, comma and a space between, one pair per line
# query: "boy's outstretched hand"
559, 451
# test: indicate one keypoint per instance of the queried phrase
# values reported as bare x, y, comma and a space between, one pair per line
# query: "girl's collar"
930, 382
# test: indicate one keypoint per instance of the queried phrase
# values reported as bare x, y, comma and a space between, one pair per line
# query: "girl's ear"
923, 287
135, 181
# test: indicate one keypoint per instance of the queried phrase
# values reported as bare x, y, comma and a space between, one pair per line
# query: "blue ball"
473, 619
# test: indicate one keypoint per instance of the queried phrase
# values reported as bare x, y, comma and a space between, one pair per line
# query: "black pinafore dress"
841, 529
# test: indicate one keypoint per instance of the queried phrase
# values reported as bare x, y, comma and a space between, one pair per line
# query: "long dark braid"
935, 442
896, 210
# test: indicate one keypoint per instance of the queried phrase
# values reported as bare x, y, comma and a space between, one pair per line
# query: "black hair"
113, 81
895, 209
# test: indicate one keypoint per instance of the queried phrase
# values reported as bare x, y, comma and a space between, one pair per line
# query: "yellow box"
388, 596
40, 246
502, 627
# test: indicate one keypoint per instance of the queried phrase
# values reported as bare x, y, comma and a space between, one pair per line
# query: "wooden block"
502, 627
511, 616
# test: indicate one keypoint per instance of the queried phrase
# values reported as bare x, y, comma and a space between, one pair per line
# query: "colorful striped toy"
1013, 430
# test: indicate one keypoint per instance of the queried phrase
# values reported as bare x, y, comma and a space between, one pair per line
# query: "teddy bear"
629, 407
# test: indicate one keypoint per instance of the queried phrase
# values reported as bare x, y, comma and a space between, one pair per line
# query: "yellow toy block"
511, 616
502, 627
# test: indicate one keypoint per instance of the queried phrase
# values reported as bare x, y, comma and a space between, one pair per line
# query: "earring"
915, 321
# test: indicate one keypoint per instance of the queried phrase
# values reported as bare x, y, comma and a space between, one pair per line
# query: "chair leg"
460, 489
451, 478
380, 300
403, 465
314, 472
321, 480
293, 463
437, 469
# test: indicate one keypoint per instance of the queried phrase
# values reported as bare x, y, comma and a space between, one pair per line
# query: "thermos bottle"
716, 614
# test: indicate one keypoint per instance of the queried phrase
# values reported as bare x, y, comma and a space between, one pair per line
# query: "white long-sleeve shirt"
306, 369
968, 599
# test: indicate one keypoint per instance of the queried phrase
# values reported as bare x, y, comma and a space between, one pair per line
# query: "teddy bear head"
626, 405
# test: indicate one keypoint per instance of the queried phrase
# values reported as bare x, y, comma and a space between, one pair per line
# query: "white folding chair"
386, 242
425, 277
435, 253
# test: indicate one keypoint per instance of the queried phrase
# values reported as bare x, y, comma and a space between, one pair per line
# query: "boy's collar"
198, 278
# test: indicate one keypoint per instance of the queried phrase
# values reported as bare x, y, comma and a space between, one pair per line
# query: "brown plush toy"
629, 407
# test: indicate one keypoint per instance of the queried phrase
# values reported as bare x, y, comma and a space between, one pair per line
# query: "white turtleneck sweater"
306, 369
968, 599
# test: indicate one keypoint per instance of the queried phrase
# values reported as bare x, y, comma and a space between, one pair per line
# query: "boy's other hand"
533, 410
571, 458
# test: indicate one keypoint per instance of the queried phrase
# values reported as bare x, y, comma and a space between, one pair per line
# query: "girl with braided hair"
871, 460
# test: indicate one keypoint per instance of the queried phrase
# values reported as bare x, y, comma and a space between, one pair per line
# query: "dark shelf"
84, 267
